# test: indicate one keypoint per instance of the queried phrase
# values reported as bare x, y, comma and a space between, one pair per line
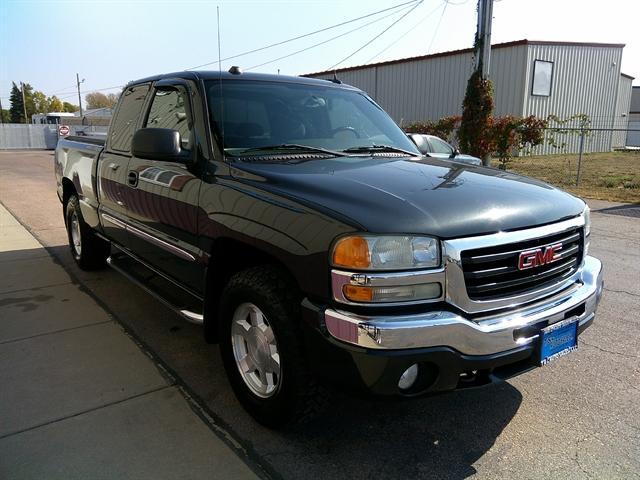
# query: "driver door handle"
132, 178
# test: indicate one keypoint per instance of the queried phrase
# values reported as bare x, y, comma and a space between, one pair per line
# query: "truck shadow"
356, 437
439, 437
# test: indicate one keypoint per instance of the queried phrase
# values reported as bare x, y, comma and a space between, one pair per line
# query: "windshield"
267, 114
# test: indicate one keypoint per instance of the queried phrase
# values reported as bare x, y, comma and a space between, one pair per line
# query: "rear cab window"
127, 117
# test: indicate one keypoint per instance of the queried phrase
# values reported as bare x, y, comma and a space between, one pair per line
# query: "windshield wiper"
293, 146
379, 148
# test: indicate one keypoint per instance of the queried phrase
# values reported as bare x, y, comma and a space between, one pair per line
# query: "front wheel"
88, 250
261, 349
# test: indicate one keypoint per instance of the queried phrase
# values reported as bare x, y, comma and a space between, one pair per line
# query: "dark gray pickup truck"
305, 231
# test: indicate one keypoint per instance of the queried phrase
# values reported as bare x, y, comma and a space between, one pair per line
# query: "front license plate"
558, 339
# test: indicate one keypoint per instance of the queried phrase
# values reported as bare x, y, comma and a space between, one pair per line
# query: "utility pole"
24, 103
79, 97
483, 37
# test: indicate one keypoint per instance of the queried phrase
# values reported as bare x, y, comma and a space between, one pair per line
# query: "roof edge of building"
465, 50
627, 76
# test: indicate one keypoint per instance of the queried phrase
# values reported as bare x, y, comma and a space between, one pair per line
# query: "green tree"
16, 109
5, 116
29, 100
100, 100
55, 105
36, 102
69, 107
40, 102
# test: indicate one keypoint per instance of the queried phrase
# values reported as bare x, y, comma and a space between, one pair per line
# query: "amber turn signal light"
352, 252
357, 293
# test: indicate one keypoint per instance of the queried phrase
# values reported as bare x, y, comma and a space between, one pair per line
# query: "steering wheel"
345, 129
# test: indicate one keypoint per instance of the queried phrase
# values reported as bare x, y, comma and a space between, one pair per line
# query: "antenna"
220, 83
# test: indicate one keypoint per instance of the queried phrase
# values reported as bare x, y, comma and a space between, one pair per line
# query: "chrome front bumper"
480, 336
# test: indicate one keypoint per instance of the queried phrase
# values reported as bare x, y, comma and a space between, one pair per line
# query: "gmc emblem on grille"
539, 256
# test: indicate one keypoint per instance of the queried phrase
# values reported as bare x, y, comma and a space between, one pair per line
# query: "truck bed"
94, 140
76, 160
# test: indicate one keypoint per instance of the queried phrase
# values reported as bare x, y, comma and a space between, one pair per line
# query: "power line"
376, 37
396, 8
326, 41
403, 35
446, 4
84, 92
62, 91
306, 34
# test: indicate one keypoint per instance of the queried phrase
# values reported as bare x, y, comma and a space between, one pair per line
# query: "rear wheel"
88, 250
261, 348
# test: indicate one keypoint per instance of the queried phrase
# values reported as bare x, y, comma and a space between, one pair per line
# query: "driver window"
344, 114
168, 110
441, 147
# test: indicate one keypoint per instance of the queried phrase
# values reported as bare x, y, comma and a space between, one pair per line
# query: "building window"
542, 78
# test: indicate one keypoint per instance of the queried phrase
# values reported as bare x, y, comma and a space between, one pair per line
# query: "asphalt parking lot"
578, 417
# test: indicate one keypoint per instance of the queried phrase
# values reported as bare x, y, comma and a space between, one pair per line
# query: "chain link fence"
593, 162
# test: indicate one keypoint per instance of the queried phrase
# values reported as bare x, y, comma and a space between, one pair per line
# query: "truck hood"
426, 196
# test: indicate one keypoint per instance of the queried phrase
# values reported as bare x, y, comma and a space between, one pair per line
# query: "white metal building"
633, 138
529, 77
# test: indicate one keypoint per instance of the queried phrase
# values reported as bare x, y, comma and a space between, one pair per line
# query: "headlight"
386, 252
587, 229
587, 220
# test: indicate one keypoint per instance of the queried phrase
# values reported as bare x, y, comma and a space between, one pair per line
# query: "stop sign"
63, 130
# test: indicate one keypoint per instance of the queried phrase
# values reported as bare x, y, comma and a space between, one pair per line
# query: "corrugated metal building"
619, 138
529, 78
633, 138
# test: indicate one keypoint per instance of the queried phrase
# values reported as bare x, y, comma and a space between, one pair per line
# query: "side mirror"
158, 144
455, 152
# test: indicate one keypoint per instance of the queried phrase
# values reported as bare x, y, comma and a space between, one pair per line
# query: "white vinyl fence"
26, 136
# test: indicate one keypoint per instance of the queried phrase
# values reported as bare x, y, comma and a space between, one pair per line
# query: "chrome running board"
185, 304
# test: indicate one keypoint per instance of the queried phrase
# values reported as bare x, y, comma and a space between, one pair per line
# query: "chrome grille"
492, 272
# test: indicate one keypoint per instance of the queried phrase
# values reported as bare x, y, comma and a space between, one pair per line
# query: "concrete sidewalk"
78, 398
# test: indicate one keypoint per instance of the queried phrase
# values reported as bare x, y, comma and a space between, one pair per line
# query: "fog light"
409, 377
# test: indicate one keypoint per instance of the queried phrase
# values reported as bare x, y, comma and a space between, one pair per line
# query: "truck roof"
266, 77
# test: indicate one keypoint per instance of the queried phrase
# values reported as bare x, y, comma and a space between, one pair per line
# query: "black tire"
93, 251
298, 397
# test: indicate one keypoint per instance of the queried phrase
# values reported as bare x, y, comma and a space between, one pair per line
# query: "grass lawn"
613, 176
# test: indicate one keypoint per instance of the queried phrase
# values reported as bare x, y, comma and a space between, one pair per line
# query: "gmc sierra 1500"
303, 228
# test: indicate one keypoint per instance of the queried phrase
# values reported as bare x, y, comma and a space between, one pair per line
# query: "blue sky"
45, 42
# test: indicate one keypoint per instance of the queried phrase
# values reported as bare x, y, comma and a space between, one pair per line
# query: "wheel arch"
68, 190
234, 256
